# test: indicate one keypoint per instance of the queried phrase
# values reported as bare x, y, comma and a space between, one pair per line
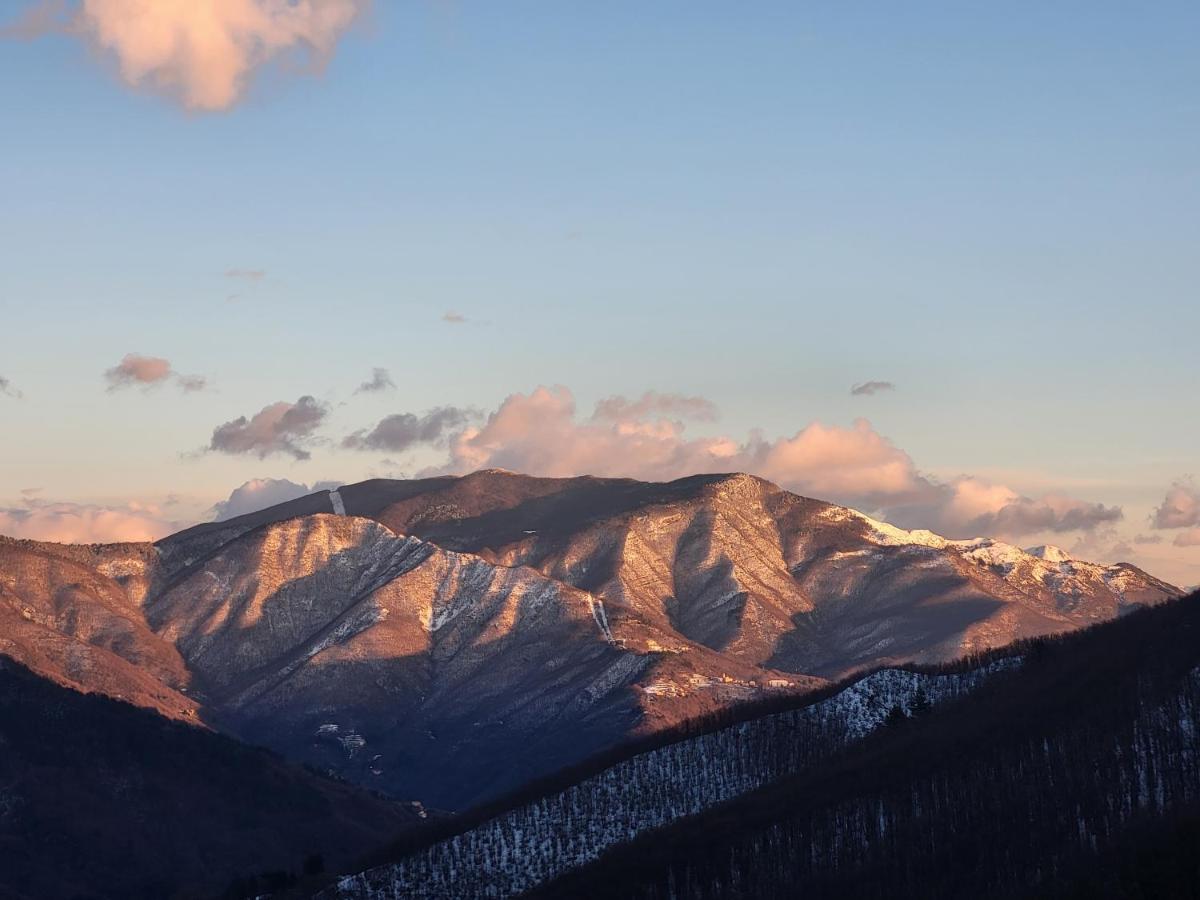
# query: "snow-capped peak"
1050, 553
888, 535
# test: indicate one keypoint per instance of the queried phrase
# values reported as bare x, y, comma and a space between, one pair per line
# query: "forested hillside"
544, 838
1076, 776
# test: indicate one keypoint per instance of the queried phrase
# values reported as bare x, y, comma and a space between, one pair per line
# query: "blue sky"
995, 207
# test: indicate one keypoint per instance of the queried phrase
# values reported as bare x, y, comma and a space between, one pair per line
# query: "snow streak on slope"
335, 498
527, 846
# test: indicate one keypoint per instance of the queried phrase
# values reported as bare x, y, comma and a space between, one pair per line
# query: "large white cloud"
259, 493
201, 53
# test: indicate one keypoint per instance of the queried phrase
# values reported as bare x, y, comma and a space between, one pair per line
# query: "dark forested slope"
1076, 775
100, 799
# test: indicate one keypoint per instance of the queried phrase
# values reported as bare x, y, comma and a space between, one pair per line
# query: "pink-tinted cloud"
542, 433
201, 53
1189, 538
454, 318
970, 507
1180, 507
77, 523
135, 370
279, 428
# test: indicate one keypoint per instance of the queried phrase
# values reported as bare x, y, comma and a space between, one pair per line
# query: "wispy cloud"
7, 389
454, 318
379, 381
46, 17
201, 54
83, 523
284, 428
655, 405
246, 274
135, 370
401, 431
867, 388
1188, 538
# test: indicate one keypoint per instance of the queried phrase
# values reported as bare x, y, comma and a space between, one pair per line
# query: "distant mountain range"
448, 640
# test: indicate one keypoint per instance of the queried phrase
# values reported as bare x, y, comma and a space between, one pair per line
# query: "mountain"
408, 635
99, 799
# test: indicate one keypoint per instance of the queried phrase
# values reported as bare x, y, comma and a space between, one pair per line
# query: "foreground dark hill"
1076, 774
99, 799
572, 818
407, 634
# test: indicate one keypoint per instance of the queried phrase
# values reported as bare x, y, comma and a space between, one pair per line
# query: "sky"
933, 260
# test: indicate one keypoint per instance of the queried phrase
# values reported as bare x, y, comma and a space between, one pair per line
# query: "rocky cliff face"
442, 624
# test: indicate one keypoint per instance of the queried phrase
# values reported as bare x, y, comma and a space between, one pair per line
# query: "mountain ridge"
399, 632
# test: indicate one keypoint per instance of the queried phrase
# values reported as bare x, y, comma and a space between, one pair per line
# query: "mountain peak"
1050, 553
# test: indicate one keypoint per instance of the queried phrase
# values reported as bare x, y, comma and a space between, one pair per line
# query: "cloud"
246, 274
616, 409
867, 388
190, 383
1189, 538
380, 381
134, 369
7, 389
200, 53
147, 372
454, 318
43, 18
401, 431
76, 523
260, 493
1148, 539
279, 428
1180, 508
971, 507
542, 433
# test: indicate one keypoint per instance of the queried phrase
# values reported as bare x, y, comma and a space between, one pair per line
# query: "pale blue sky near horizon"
994, 206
